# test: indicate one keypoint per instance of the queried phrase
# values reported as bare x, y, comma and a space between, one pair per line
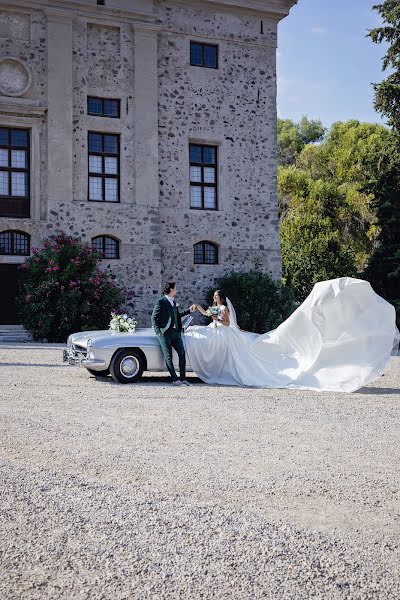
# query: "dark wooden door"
9, 275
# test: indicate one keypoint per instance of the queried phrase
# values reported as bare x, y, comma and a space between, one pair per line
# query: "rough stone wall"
234, 107
104, 66
23, 36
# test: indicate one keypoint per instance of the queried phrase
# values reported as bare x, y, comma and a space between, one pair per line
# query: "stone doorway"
9, 276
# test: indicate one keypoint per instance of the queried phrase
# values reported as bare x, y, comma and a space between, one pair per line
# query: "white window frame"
34, 123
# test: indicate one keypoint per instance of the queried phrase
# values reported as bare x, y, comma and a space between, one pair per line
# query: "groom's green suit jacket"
165, 316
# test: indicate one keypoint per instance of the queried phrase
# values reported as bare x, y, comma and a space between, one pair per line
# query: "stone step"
14, 333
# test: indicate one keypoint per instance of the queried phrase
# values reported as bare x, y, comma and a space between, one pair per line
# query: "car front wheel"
127, 366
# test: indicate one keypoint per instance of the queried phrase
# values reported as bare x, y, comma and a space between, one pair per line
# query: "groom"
167, 323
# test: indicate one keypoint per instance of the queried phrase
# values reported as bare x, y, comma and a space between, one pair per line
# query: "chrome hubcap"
129, 366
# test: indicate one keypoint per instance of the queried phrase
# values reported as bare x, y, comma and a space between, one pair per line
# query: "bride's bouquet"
122, 323
212, 311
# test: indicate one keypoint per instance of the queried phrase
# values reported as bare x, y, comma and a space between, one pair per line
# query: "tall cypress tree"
383, 270
387, 93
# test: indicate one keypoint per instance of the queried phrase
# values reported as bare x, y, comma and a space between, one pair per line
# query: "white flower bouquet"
213, 311
122, 323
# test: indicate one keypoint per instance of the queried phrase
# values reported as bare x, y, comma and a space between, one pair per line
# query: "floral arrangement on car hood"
122, 323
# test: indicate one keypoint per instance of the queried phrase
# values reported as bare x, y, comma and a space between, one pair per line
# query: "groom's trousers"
173, 339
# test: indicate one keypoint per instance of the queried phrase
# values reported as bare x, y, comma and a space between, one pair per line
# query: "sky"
326, 64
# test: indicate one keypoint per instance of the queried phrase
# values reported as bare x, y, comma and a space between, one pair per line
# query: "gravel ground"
119, 492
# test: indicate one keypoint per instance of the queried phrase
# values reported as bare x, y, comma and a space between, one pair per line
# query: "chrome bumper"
74, 359
93, 363
78, 359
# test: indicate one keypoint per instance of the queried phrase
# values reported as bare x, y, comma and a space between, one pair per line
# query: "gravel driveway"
146, 491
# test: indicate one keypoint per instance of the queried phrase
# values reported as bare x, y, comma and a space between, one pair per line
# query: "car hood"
109, 337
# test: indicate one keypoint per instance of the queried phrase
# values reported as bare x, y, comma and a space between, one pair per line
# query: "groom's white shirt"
171, 300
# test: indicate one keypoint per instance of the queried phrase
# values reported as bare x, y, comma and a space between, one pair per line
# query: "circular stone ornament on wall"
15, 77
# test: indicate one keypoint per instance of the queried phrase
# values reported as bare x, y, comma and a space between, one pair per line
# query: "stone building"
147, 127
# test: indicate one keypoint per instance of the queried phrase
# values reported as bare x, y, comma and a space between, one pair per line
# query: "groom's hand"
193, 308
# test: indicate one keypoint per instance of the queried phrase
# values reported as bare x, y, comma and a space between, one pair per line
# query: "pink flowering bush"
63, 290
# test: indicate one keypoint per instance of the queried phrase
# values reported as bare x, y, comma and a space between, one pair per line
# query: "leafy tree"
340, 179
346, 206
292, 137
348, 150
314, 242
261, 303
347, 154
311, 130
292, 182
289, 144
340, 209
312, 251
387, 93
63, 290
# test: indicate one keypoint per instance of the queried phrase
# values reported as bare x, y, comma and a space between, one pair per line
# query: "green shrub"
62, 290
261, 303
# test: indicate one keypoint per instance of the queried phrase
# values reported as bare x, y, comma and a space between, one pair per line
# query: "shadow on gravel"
165, 380
19, 364
378, 390
31, 346
148, 380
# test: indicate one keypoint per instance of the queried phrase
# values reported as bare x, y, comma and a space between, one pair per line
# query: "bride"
340, 339
222, 313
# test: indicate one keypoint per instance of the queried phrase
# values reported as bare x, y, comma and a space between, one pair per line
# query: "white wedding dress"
340, 339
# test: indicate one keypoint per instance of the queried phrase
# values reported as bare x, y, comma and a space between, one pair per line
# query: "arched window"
106, 246
205, 253
14, 243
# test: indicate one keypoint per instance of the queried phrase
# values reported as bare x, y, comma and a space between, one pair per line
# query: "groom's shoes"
177, 382
185, 382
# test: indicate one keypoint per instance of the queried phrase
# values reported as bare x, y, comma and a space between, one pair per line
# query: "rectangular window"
14, 172
204, 55
104, 107
104, 168
203, 177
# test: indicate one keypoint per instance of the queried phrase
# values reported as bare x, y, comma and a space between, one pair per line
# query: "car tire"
104, 373
127, 366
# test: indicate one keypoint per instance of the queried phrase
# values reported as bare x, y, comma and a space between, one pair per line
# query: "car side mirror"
186, 322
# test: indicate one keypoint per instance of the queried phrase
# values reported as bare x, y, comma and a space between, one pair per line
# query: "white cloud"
318, 30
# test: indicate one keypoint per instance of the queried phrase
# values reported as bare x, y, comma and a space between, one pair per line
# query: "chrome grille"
76, 349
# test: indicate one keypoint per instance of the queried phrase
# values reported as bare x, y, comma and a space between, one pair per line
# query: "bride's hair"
222, 297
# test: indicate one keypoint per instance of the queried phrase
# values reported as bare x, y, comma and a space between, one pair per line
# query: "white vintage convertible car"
124, 356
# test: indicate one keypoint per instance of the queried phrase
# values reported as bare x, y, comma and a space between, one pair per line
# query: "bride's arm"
200, 309
224, 318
